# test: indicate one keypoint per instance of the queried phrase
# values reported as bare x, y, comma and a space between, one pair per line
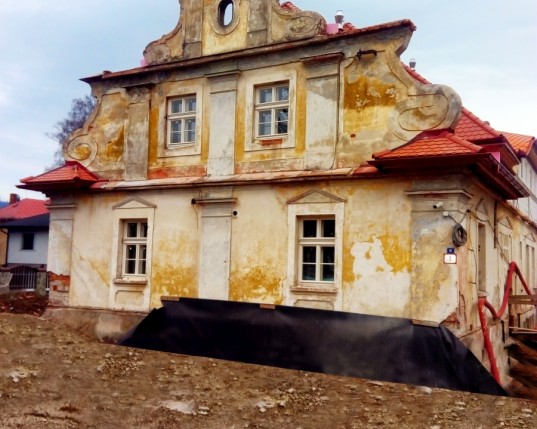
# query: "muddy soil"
54, 377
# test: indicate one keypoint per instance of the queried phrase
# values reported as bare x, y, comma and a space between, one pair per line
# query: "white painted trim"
311, 208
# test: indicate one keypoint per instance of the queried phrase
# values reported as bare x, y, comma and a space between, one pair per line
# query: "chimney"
14, 198
339, 19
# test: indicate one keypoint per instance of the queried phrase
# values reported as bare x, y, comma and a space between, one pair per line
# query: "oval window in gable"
225, 12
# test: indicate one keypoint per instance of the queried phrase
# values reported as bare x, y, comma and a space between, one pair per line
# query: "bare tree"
81, 108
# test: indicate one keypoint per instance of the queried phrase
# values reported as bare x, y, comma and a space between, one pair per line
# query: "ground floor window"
135, 247
317, 250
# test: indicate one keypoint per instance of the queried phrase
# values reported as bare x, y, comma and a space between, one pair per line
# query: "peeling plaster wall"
378, 255
91, 251
349, 97
258, 266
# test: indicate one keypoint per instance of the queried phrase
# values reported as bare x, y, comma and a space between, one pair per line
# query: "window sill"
179, 146
270, 142
326, 290
131, 282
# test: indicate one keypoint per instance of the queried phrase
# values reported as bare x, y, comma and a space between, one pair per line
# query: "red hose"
483, 303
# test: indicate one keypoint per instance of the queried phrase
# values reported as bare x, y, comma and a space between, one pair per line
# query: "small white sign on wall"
450, 257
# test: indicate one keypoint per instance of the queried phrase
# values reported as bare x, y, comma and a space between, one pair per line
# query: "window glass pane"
175, 132
328, 255
309, 254
130, 267
265, 123
327, 273
281, 121
176, 106
309, 228
264, 130
142, 265
190, 105
131, 251
265, 116
265, 95
190, 133
329, 228
144, 229
282, 93
190, 136
308, 272
132, 229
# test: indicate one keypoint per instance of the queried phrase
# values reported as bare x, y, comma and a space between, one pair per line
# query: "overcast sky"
485, 49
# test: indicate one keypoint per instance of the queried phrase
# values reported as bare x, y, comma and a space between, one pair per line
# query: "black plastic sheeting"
357, 345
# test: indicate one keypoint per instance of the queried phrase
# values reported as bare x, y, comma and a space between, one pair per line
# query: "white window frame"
319, 242
273, 107
314, 205
183, 117
253, 83
133, 209
139, 243
187, 149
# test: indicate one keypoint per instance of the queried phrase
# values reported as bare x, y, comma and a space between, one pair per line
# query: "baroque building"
262, 155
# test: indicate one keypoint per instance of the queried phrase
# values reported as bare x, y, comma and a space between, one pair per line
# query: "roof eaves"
249, 52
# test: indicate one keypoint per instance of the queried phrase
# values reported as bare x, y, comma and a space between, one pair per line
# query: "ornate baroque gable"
210, 27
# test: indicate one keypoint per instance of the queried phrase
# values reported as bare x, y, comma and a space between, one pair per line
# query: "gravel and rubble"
54, 377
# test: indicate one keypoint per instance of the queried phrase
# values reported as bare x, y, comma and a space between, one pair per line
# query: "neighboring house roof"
68, 176
39, 221
471, 128
27, 207
522, 144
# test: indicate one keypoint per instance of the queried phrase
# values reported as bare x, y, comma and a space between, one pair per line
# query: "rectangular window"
28, 241
134, 248
272, 110
182, 120
317, 250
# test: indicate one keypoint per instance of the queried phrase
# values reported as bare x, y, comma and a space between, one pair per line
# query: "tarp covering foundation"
330, 342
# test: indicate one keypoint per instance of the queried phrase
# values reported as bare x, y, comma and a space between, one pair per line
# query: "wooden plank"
523, 299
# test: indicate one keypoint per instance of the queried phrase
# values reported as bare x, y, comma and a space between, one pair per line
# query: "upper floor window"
135, 248
182, 120
28, 241
317, 250
272, 110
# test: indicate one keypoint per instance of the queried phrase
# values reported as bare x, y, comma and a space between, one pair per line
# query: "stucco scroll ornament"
170, 46
294, 25
426, 107
80, 146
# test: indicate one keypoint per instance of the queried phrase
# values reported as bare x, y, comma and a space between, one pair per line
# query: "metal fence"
25, 278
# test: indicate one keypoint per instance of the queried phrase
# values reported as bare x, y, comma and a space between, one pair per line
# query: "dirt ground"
53, 377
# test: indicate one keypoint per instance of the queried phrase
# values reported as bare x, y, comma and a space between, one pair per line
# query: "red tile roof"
72, 174
430, 144
471, 128
22, 209
290, 6
521, 143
